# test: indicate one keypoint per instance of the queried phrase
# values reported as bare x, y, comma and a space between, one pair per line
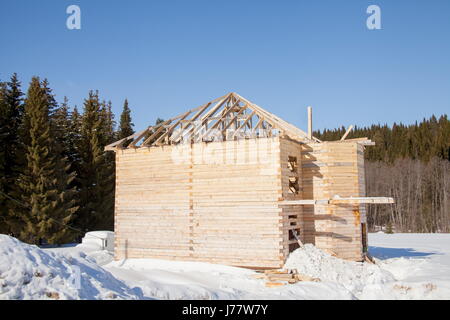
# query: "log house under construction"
231, 183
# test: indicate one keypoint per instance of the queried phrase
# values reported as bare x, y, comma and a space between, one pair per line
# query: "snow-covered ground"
409, 266
420, 263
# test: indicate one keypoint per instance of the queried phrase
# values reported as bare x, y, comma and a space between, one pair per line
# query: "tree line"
56, 180
410, 163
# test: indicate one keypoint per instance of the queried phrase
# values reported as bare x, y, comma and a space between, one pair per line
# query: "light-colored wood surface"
246, 201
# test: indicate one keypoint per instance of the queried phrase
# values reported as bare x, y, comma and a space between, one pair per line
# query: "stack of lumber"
280, 277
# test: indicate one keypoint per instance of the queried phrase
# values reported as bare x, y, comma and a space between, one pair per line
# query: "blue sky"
168, 56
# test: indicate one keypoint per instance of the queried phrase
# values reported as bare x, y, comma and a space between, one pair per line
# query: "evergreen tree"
96, 170
62, 127
73, 141
389, 228
11, 113
125, 126
44, 180
422, 141
3, 162
108, 123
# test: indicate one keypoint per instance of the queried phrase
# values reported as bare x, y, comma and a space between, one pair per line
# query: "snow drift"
311, 261
409, 266
28, 272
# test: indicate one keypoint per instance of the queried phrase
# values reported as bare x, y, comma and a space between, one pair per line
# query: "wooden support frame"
349, 200
171, 131
139, 137
220, 120
232, 120
244, 123
258, 124
155, 134
210, 113
118, 144
190, 121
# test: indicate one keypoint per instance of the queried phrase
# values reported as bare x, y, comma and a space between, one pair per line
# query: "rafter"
156, 133
141, 135
205, 117
170, 129
219, 113
233, 119
244, 123
220, 120
260, 121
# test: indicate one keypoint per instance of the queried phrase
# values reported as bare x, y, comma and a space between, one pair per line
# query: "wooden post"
310, 123
347, 132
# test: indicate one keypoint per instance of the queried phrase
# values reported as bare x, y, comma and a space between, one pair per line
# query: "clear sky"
168, 56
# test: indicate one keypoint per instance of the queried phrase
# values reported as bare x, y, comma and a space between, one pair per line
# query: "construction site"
231, 183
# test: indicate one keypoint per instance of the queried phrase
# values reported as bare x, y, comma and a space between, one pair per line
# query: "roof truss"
229, 117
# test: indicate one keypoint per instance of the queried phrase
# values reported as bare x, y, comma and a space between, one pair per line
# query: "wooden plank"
310, 130
244, 123
172, 127
347, 132
119, 143
233, 119
224, 114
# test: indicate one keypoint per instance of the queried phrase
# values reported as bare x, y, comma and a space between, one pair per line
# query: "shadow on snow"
387, 253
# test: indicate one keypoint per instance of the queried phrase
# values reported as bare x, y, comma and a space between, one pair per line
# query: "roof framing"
229, 117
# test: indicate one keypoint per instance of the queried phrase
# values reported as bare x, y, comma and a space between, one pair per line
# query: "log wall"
292, 183
329, 169
218, 202
214, 202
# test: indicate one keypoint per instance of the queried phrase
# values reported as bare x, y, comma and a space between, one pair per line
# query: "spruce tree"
108, 180
108, 123
125, 126
96, 169
44, 180
3, 162
62, 127
73, 141
389, 228
11, 113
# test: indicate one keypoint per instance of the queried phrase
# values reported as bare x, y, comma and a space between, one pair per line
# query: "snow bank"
408, 267
165, 279
103, 240
316, 263
28, 272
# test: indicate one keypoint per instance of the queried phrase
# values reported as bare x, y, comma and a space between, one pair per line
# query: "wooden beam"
119, 143
158, 131
245, 122
224, 114
260, 121
189, 122
211, 112
233, 119
278, 123
170, 129
347, 132
378, 200
349, 200
139, 137
310, 130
